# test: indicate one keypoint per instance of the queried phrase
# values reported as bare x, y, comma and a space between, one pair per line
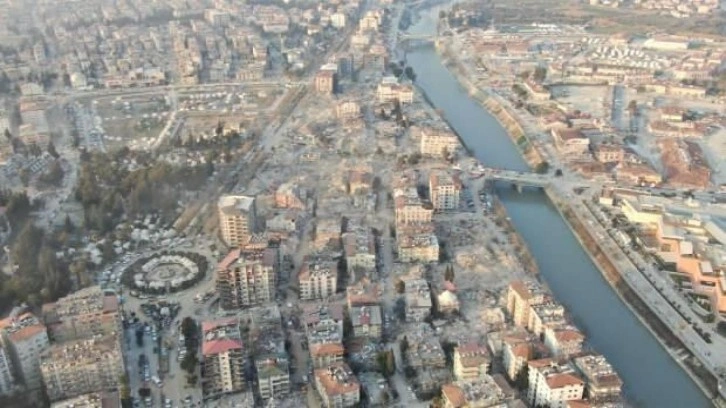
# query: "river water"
651, 377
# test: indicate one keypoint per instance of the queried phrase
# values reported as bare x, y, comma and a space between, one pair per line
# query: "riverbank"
491, 104
640, 309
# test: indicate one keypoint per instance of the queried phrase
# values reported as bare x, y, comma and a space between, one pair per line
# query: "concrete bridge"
416, 40
516, 178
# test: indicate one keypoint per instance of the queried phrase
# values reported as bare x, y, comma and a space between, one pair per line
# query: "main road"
651, 377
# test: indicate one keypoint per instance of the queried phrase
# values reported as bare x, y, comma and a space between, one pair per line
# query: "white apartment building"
25, 338
389, 91
445, 190
237, 218
318, 280
435, 142
553, 384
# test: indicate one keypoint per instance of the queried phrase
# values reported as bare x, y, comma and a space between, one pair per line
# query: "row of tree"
108, 190
37, 276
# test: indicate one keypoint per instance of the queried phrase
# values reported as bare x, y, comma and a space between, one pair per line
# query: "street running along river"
651, 377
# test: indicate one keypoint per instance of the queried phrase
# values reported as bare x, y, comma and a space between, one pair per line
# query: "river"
651, 377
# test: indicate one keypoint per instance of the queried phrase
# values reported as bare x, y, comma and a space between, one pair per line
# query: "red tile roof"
220, 346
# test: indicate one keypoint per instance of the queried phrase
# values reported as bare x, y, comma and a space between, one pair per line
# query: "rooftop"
232, 204
85, 301
338, 379
22, 327
79, 351
92, 400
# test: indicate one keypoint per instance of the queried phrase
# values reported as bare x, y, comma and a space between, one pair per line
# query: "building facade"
246, 278
445, 190
318, 279
81, 366
273, 377
471, 361
24, 338
223, 357
237, 218
553, 384
436, 142
520, 298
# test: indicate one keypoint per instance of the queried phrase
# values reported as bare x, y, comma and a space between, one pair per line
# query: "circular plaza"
166, 272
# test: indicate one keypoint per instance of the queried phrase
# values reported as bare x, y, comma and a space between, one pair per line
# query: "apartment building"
415, 245
247, 277
273, 377
425, 352
471, 361
521, 297
367, 321
325, 79
544, 315
347, 109
608, 153
79, 367
83, 314
337, 385
485, 392
237, 218
603, 383
389, 91
7, 379
324, 331
318, 279
23, 337
436, 142
572, 143
290, 195
359, 248
445, 190
223, 357
552, 384
418, 300
563, 340
364, 293
105, 399
268, 348
516, 352
410, 209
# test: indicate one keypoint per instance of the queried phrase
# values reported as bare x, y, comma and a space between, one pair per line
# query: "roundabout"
166, 272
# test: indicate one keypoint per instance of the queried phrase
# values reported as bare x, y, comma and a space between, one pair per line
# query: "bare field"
603, 20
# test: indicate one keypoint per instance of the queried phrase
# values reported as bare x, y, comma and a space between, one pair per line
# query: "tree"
189, 363
386, 363
139, 338
124, 388
542, 167
68, 225
8, 135
449, 274
400, 286
540, 73
52, 150
404, 345
521, 381
558, 173
144, 392
410, 74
